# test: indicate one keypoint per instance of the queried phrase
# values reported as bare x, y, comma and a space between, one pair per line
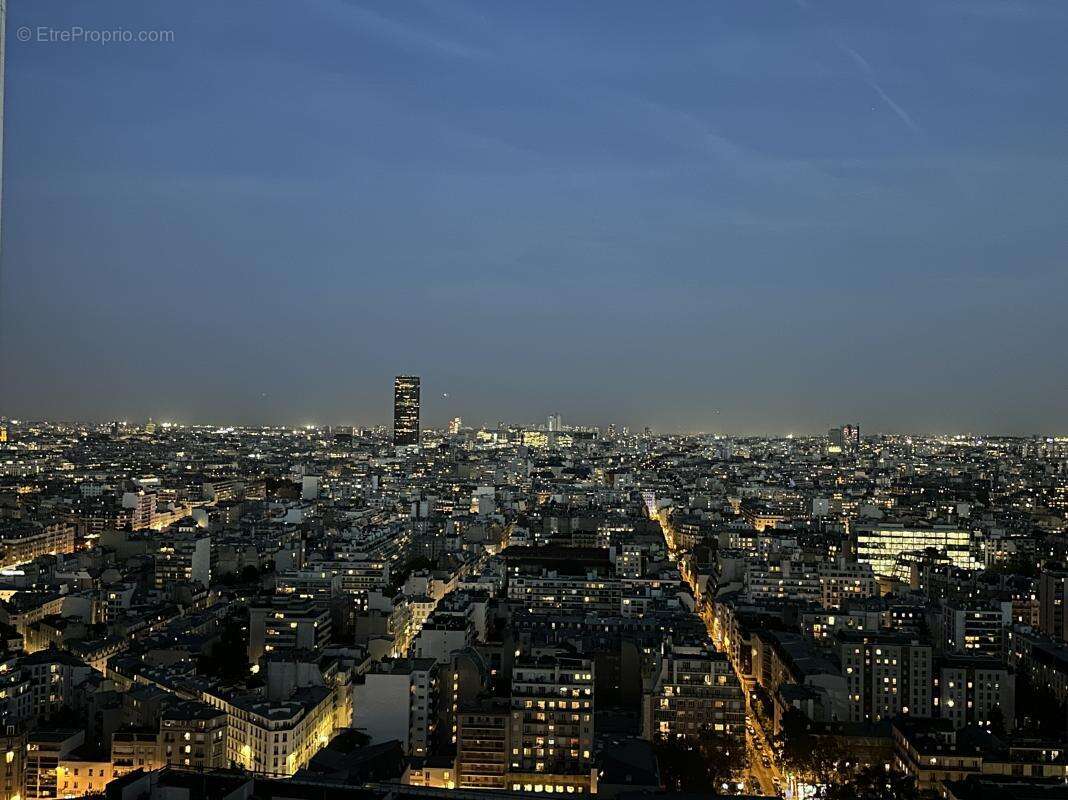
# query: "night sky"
741, 217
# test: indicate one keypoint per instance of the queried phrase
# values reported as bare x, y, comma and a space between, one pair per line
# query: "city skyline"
529, 424
340, 614
728, 446
748, 218
407, 421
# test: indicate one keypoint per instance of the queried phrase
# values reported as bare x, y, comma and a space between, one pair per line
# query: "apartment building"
279, 737
287, 623
552, 724
45, 748
842, 582
972, 690
553, 580
193, 735
886, 675
695, 692
972, 628
82, 774
183, 557
783, 579
483, 743
134, 749
21, 542
395, 701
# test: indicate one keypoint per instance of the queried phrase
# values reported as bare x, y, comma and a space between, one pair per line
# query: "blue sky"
731, 216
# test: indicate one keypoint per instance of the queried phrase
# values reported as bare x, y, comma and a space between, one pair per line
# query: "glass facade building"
881, 545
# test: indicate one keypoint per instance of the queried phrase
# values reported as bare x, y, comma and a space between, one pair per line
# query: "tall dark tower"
406, 410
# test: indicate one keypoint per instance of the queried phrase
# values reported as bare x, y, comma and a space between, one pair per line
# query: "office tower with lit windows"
406, 410
845, 439
881, 544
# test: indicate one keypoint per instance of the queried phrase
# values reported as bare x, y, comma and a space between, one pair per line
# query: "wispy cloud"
404, 34
869, 78
693, 135
1004, 10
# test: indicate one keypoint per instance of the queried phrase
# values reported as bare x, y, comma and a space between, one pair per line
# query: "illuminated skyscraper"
845, 439
406, 410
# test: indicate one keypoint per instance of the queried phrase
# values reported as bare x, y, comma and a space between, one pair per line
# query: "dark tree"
699, 764
815, 758
726, 759
682, 767
228, 657
873, 783
250, 574
1016, 564
398, 578
1037, 708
